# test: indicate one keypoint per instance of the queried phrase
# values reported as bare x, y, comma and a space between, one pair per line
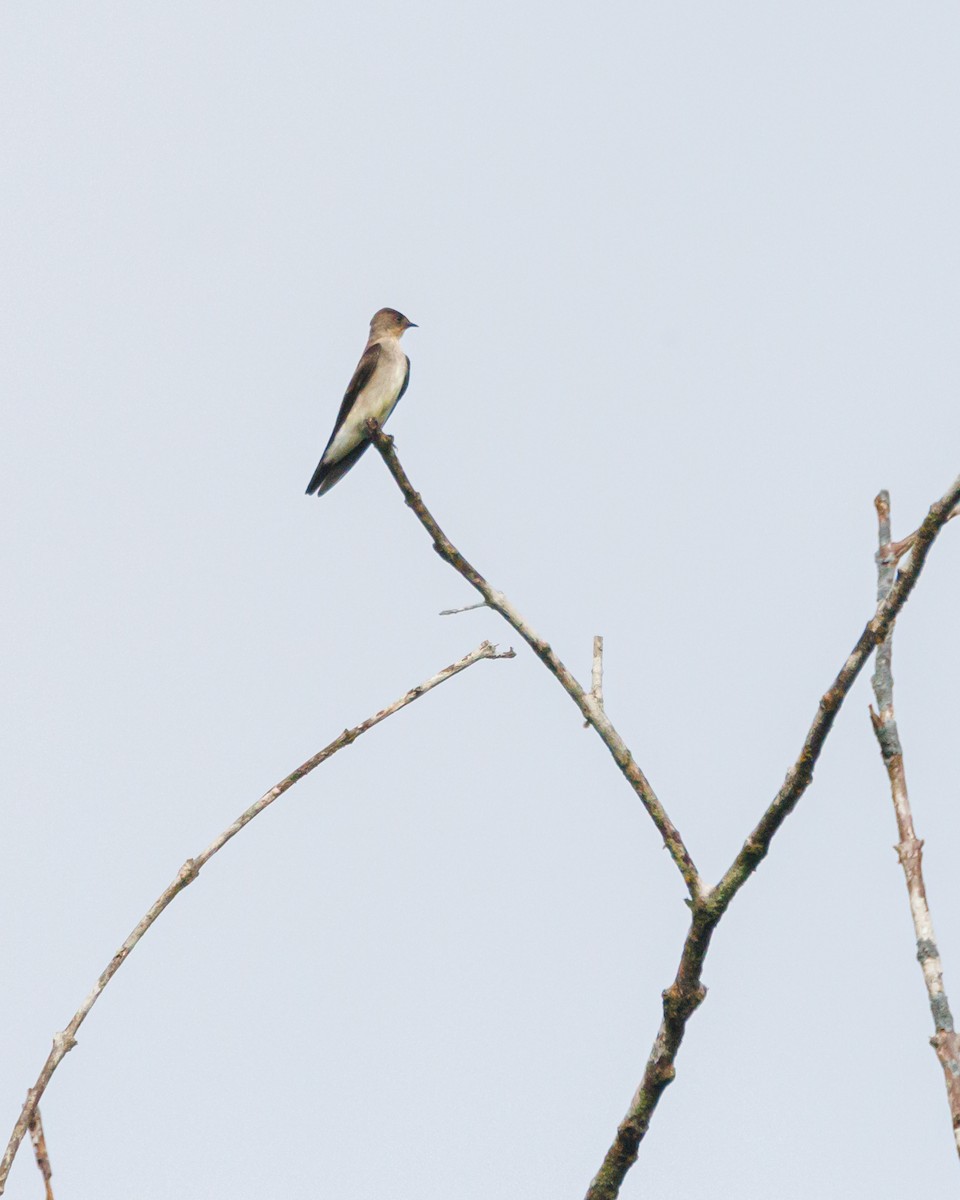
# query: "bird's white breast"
377, 400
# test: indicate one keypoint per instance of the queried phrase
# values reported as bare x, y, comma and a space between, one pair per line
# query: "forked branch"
687, 992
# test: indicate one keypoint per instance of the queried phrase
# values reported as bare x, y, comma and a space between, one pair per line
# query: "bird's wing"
329, 473
361, 377
406, 380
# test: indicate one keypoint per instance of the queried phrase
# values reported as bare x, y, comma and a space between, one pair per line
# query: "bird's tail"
327, 474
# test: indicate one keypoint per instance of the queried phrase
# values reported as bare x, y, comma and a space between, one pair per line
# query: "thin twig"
585, 701
452, 612
946, 1041
65, 1040
40, 1151
687, 992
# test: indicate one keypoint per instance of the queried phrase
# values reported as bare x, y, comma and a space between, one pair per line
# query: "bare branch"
592, 712
65, 1040
40, 1151
687, 992
946, 1041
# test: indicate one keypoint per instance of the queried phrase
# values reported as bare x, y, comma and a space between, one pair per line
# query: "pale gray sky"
686, 277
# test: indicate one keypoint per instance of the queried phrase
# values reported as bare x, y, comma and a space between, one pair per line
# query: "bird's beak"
412, 325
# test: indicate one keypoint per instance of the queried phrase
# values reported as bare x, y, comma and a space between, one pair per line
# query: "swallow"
379, 381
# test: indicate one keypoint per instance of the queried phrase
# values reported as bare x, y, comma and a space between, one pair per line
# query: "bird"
378, 383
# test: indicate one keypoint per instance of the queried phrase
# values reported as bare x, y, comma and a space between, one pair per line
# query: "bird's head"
389, 323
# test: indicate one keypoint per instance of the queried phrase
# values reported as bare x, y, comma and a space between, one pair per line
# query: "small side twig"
945, 1041
65, 1040
40, 1151
593, 714
452, 612
596, 675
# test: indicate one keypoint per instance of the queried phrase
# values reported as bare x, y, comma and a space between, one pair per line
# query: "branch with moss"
945, 1040
66, 1039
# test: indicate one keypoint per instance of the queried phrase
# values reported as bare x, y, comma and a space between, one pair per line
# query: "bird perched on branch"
379, 381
